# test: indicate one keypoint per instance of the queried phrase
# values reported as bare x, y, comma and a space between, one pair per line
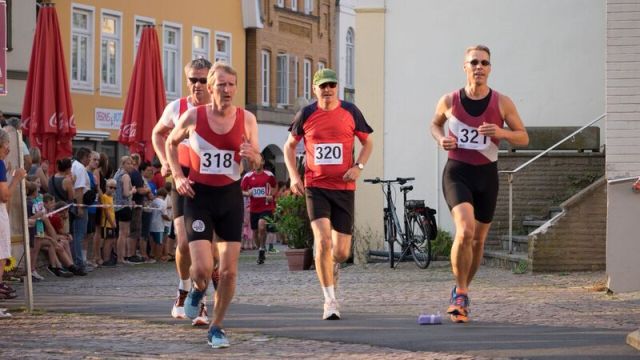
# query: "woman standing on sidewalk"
6, 291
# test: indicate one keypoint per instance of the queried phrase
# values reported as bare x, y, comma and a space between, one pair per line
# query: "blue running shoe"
453, 295
192, 303
217, 338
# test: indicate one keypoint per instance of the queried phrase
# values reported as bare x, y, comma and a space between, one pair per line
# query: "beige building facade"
287, 42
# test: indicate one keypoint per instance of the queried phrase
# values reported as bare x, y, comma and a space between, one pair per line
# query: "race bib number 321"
328, 154
470, 138
216, 162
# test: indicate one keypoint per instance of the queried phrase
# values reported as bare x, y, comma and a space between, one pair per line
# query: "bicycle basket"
414, 204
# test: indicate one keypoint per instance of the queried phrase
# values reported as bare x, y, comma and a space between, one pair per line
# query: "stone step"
520, 243
516, 262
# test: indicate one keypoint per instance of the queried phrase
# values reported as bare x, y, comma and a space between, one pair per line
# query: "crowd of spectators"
77, 216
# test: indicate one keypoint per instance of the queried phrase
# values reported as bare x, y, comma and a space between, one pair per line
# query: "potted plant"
291, 219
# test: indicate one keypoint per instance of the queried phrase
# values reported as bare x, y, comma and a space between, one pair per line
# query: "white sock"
184, 285
329, 293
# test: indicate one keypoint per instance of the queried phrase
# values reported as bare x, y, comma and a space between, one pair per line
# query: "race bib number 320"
328, 154
470, 138
219, 162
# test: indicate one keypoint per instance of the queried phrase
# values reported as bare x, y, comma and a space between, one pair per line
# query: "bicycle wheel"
390, 232
419, 244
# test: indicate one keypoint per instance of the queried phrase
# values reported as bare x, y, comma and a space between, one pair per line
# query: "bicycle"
419, 224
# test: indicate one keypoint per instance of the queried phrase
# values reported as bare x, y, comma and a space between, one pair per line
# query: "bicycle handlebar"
399, 180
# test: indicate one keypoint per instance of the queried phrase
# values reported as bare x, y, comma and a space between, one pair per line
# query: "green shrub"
291, 219
441, 246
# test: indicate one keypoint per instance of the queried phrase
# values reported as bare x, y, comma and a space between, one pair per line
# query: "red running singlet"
215, 158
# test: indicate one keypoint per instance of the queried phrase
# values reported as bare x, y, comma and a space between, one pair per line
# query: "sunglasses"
111, 187
475, 62
330, 84
194, 80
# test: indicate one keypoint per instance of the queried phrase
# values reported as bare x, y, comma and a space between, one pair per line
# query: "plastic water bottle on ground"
430, 319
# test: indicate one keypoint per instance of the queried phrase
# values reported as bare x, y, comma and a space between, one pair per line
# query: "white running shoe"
178, 306
331, 310
202, 318
36, 275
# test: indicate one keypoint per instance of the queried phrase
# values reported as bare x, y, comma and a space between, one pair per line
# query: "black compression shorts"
177, 200
474, 184
214, 208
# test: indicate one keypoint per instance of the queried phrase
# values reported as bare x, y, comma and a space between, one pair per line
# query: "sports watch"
359, 165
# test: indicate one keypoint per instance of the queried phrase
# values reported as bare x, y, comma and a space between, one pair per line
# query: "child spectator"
108, 224
156, 228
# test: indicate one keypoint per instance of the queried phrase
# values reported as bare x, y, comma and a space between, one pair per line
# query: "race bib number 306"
259, 192
216, 162
470, 138
328, 154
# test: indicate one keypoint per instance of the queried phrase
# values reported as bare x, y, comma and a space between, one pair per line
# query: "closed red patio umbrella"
145, 99
47, 114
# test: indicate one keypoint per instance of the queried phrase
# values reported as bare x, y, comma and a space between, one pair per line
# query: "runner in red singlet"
258, 185
476, 116
329, 128
219, 134
196, 74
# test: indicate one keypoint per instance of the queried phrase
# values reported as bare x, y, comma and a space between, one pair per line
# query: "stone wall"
542, 185
575, 239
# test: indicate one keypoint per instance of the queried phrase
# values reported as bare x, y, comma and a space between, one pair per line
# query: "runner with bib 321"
476, 115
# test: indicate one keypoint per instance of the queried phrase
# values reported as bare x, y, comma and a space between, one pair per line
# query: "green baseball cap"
324, 76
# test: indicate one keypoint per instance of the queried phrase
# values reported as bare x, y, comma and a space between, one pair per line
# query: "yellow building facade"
100, 40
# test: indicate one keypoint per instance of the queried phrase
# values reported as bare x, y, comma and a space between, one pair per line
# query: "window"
282, 84
294, 5
110, 52
294, 77
171, 61
321, 65
139, 23
223, 47
199, 43
280, 3
308, 7
82, 48
350, 65
306, 77
265, 73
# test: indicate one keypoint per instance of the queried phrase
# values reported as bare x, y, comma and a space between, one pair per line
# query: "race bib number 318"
328, 154
216, 162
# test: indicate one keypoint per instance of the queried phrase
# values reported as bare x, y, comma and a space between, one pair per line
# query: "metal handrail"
621, 180
511, 173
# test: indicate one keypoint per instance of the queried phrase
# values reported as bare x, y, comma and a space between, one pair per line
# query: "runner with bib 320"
329, 128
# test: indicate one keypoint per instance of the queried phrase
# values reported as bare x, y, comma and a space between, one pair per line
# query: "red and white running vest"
215, 158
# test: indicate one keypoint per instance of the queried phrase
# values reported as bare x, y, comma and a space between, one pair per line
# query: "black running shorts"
214, 208
255, 217
474, 184
336, 205
177, 200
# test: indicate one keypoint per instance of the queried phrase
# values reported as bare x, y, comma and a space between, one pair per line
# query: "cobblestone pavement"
572, 299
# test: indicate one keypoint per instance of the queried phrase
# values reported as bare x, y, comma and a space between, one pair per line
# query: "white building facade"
548, 56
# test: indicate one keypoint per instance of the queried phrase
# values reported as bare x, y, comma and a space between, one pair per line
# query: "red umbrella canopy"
47, 113
145, 99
